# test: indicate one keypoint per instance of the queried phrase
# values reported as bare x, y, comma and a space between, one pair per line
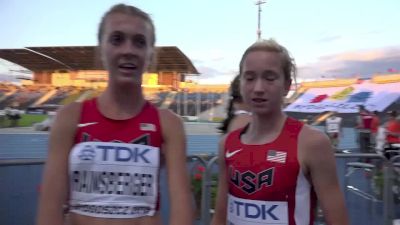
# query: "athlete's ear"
288, 83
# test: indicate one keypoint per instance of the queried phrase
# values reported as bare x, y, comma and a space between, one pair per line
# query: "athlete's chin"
133, 79
260, 108
261, 111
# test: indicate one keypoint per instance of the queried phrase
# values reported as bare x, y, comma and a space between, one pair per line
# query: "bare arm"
219, 217
174, 149
54, 192
319, 162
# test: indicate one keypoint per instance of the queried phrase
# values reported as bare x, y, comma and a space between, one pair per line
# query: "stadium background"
61, 75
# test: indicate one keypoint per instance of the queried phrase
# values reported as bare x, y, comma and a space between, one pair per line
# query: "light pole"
259, 3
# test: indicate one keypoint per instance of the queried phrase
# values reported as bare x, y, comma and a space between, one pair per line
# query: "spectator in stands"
364, 122
238, 114
333, 126
275, 164
105, 153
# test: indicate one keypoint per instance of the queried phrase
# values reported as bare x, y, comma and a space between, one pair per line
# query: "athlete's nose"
258, 86
128, 48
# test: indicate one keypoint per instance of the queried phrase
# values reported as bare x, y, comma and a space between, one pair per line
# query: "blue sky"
327, 38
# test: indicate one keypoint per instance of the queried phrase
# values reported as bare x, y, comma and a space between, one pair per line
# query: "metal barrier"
20, 187
388, 204
23, 192
388, 213
17, 162
395, 164
394, 159
387, 193
206, 193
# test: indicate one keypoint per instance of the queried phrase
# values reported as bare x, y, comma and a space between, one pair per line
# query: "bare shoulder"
171, 126
67, 117
310, 136
313, 144
169, 118
70, 109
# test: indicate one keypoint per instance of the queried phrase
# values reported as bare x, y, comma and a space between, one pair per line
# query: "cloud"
330, 38
372, 32
363, 63
206, 71
217, 79
368, 55
204, 56
215, 66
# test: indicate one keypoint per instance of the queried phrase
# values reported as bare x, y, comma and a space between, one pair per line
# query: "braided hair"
234, 96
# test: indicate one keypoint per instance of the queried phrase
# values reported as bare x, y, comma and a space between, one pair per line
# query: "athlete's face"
263, 85
126, 47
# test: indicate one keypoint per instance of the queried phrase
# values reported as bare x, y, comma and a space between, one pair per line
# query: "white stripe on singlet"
303, 200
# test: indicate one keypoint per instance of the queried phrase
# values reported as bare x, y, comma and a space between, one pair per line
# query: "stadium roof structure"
39, 59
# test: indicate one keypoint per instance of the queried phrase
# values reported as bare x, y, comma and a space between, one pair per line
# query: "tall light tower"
259, 3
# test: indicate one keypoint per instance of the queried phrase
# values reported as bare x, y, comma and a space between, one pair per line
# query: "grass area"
26, 120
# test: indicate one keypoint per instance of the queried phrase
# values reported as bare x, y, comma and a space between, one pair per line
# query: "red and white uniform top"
266, 183
114, 164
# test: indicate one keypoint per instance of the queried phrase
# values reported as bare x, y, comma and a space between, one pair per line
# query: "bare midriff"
76, 219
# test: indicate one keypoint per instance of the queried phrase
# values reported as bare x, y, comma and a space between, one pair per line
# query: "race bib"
333, 127
114, 180
255, 212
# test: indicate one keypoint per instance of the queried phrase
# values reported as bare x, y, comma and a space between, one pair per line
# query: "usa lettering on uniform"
250, 182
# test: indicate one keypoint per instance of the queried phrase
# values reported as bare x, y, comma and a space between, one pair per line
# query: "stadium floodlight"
259, 3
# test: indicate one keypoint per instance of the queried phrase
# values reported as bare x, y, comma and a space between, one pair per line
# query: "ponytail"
230, 114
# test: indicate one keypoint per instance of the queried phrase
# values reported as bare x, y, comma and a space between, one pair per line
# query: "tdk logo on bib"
120, 153
87, 153
123, 154
243, 211
253, 211
116, 180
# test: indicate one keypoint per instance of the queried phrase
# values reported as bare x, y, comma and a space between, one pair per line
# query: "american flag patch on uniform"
276, 156
147, 127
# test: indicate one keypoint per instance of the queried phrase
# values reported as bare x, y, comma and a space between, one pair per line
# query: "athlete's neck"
264, 129
121, 103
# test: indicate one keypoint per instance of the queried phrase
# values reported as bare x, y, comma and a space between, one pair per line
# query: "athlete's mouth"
127, 66
259, 100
